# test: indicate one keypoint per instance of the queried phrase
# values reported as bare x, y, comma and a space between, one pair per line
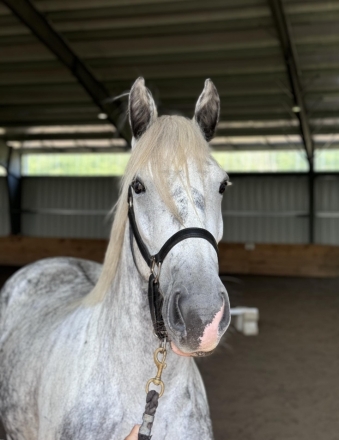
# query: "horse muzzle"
196, 322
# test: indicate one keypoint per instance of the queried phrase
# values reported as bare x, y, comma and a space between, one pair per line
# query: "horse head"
177, 184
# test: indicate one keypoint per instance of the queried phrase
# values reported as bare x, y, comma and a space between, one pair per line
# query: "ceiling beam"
45, 32
20, 136
57, 136
17, 135
293, 70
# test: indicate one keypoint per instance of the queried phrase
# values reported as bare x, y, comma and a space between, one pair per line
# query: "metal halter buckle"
156, 273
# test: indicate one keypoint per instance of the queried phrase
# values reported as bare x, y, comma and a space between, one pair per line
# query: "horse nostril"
227, 314
175, 316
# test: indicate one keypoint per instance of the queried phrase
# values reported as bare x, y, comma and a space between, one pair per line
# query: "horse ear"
207, 110
142, 109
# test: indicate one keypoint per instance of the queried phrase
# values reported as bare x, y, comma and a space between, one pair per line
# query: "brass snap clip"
161, 365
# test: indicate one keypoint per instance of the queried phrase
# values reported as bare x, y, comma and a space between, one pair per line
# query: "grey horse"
76, 338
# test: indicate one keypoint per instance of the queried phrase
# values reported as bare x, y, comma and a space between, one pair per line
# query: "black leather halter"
155, 297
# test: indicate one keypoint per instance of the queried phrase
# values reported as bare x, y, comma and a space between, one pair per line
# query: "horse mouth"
203, 353
177, 351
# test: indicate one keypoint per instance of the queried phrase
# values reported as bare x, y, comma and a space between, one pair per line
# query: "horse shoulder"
44, 287
39, 314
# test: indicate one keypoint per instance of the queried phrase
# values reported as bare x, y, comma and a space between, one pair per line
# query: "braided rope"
145, 430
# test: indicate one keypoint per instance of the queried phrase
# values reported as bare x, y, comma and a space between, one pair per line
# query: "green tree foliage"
114, 164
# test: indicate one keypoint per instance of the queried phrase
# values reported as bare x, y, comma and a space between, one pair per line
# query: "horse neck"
125, 305
126, 319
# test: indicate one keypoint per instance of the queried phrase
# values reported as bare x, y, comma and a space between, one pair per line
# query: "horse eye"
223, 186
138, 186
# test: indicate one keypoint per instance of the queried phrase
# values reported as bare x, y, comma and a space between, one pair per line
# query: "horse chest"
108, 414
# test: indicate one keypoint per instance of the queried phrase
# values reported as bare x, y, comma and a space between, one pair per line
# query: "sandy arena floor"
284, 383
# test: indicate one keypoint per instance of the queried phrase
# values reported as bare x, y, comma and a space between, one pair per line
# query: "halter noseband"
155, 297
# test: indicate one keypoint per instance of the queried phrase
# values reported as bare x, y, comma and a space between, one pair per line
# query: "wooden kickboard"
234, 258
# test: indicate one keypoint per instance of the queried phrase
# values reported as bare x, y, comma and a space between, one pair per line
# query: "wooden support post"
3, 154
293, 71
11, 160
311, 197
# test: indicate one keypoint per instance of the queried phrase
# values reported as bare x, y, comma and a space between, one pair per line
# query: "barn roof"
275, 64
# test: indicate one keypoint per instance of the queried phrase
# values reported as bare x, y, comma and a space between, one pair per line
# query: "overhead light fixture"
296, 109
102, 116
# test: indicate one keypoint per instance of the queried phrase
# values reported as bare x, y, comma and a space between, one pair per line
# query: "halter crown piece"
154, 262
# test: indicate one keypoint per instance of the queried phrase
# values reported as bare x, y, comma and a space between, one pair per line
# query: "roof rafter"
45, 32
293, 70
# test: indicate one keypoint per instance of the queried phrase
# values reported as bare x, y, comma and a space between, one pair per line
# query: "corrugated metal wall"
327, 207
256, 209
266, 210
68, 206
4, 211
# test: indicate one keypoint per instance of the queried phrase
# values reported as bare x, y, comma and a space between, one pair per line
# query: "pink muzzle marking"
177, 351
210, 338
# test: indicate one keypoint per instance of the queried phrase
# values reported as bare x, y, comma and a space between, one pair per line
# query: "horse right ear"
141, 107
207, 110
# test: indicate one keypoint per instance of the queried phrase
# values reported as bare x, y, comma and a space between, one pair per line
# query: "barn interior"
65, 71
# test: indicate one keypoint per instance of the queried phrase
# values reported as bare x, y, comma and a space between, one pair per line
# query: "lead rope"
153, 396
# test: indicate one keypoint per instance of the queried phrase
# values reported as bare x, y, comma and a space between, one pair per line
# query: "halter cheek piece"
154, 262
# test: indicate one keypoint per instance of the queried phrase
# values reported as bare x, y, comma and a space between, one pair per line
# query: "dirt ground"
284, 383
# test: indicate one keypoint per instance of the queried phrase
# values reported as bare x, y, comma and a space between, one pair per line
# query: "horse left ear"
207, 110
142, 108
